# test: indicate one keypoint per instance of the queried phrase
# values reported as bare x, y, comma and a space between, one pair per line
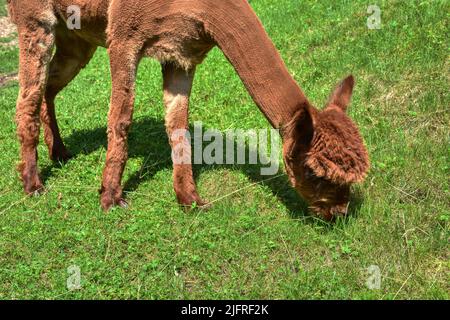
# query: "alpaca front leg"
36, 39
123, 73
177, 89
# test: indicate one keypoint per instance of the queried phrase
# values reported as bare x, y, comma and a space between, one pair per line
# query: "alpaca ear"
342, 95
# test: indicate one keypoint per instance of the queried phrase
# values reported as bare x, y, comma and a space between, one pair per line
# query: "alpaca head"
324, 153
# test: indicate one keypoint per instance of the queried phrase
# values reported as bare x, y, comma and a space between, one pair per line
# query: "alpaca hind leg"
177, 89
72, 54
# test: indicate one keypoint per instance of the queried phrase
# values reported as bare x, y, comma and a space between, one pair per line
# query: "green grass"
258, 242
3, 11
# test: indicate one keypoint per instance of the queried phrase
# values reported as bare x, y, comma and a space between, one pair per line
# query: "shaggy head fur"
324, 153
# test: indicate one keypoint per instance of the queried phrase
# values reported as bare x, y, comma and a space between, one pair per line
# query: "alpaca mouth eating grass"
325, 154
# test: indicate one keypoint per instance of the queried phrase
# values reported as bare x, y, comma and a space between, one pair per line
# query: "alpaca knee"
27, 119
118, 131
28, 130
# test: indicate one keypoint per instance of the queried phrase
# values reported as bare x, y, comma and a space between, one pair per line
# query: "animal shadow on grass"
148, 140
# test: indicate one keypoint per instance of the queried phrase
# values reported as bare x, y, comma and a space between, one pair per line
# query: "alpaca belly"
177, 39
85, 19
185, 55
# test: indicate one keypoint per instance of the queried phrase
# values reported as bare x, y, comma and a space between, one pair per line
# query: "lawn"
257, 241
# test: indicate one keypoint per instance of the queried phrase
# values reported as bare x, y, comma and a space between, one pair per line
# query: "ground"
257, 241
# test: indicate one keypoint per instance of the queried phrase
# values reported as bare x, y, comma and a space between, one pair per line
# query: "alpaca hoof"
35, 190
108, 202
203, 205
123, 203
61, 156
193, 203
38, 192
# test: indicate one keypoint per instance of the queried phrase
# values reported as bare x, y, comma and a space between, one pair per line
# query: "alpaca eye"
309, 174
319, 185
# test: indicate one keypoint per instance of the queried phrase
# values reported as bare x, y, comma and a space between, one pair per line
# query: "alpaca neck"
242, 38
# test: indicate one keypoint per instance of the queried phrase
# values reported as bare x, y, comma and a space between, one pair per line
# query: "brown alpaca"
323, 151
